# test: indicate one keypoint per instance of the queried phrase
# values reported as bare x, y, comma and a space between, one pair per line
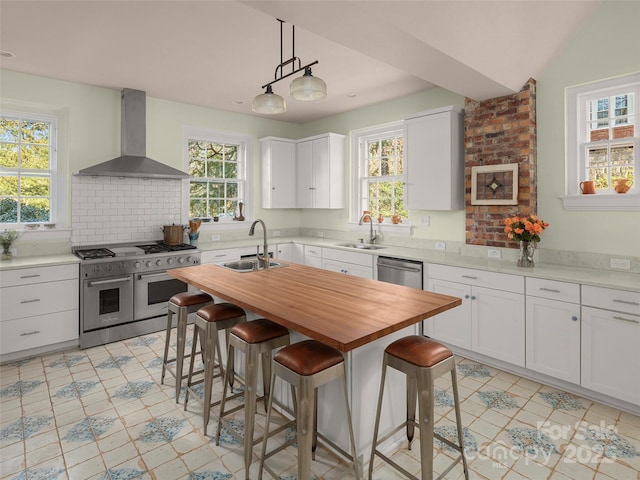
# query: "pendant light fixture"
305, 88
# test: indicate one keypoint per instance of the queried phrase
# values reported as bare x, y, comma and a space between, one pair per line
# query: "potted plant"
6, 239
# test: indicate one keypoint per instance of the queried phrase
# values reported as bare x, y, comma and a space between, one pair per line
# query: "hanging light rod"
305, 88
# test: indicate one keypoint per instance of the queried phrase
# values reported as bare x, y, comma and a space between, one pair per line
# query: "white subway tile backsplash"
116, 209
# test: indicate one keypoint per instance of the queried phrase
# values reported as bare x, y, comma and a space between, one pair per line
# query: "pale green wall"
605, 47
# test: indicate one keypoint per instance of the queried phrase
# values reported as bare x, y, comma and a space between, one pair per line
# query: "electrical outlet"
425, 220
493, 253
441, 246
276, 233
622, 263
215, 238
321, 234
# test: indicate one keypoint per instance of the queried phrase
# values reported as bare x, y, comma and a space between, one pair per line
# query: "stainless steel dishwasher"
400, 271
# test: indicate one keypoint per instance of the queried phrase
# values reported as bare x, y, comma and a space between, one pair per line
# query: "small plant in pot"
6, 240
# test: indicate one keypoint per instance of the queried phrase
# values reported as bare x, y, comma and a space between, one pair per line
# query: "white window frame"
57, 191
576, 146
245, 171
359, 168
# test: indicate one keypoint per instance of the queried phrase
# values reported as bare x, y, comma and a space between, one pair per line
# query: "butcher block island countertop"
342, 311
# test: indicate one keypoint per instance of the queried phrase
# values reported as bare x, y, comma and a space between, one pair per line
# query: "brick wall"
500, 131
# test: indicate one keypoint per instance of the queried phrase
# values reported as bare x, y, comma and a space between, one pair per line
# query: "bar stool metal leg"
210, 320
422, 361
257, 339
181, 305
306, 366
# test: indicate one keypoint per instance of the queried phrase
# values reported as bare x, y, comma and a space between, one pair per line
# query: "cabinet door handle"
35, 332
30, 301
470, 277
630, 320
466, 296
574, 318
627, 302
553, 290
29, 276
473, 297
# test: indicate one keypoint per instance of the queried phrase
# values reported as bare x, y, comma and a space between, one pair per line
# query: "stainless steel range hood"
133, 141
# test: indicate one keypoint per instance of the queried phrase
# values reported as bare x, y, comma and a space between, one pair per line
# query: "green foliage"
29, 212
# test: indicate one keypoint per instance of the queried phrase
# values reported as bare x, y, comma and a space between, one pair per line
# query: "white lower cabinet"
452, 327
611, 342
349, 263
39, 307
290, 252
220, 256
491, 320
553, 328
313, 256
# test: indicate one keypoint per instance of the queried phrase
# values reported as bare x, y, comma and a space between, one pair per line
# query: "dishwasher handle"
397, 267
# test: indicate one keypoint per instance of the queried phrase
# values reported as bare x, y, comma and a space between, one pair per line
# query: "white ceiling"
218, 53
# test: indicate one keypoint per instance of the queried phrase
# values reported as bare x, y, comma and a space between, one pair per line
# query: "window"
603, 138
218, 166
27, 167
380, 172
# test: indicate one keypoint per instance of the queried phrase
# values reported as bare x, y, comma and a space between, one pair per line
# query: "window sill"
396, 230
602, 202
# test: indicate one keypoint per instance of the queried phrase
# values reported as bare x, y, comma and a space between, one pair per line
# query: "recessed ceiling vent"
133, 141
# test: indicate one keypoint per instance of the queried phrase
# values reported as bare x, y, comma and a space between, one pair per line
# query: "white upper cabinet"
321, 171
434, 163
278, 172
307, 173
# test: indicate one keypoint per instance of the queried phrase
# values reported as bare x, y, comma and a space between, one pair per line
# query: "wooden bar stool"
256, 339
181, 304
210, 321
306, 366
422, 360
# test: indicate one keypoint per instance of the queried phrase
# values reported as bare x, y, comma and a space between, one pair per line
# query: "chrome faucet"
372, 235
264, 258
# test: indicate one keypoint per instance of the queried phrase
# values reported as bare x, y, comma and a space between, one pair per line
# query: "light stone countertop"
586, 276
39, 261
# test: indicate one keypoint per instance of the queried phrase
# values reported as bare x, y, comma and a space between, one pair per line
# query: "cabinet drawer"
611, 299
364, 259
554, 290
220, 256
29, 300
480, 278
33, 332
310, 251
26, 276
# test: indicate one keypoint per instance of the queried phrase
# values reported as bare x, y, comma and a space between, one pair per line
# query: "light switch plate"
425, 220
622, 263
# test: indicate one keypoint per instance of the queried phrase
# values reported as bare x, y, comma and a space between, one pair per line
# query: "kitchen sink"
244, 266
360, 246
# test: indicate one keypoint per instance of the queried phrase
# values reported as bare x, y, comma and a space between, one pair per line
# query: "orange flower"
526, 228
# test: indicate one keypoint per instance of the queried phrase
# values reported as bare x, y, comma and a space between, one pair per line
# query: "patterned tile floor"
101, 413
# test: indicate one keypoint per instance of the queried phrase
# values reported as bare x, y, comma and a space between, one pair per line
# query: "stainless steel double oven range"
125, 288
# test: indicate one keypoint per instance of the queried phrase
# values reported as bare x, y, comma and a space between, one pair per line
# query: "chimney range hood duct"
133, 141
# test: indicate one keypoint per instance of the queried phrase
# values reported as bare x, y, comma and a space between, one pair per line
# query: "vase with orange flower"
526, 230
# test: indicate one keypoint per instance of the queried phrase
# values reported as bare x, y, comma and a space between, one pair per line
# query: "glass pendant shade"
308, 88
269, 103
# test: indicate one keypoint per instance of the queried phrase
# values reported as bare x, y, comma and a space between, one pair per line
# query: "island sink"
361, 246
244, 266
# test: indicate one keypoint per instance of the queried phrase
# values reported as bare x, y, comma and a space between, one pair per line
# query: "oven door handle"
111, 280
142, 276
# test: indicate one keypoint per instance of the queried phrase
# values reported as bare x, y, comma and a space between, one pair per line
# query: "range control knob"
136, 264
181, 260
149, 263
169, 261
158, 263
